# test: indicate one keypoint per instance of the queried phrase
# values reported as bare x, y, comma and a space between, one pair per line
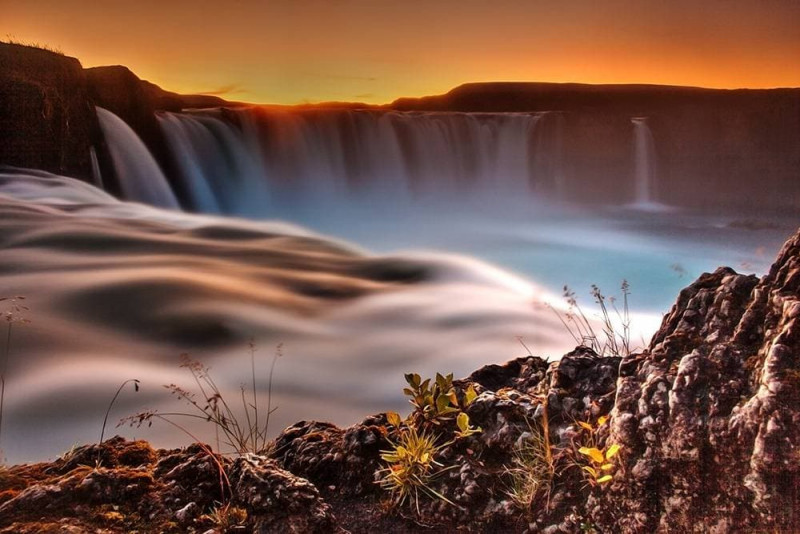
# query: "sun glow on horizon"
311, 51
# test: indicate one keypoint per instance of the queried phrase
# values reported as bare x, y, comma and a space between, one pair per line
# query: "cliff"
47, 117
698, 433
720, 140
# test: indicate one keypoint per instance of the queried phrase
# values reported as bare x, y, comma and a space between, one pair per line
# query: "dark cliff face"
712, 147
47, 115
46, 118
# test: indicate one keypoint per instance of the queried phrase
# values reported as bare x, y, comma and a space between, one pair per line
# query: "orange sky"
293, 51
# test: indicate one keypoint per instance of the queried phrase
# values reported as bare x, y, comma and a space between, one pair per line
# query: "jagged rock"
175, 491
114, 452
709, 415
278, 501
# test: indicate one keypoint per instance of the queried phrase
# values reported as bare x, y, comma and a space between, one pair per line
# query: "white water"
277, 156
452, 252
139, 175
644, 163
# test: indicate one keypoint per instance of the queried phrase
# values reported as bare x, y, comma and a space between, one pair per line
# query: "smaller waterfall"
140, 177
97, 176
644, 162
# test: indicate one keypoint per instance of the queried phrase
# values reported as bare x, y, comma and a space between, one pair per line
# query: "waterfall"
140, 178
548, 153
97, 176
243, 161
644, 162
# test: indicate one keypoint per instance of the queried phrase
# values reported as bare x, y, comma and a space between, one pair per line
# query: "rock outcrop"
698, 433
710, 414
46, 118
47, 115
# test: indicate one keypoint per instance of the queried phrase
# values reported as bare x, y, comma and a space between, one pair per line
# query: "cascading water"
644, 162
140, 177
266, 156
97, 176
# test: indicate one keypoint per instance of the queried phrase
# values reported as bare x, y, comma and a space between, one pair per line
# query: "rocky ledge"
698, 433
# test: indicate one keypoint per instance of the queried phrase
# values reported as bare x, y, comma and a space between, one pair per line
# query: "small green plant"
614, 338
226, 517
436, 401
412, 467
14, 313
411, 460
600, 461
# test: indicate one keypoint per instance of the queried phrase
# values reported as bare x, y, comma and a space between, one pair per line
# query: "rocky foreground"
698, 433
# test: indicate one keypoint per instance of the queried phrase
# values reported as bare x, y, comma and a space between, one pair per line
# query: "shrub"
412, 467
599, 461
436, 401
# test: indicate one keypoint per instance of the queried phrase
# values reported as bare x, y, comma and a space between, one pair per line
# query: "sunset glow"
292, 52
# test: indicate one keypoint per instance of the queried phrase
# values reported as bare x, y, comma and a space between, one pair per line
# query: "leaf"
591, 470
587, 426
607, 467
470, 395
409, 378
612, 451
408, 391
440, 381
393, 418
595, 454
463, 422
602, 420
442, 402
453, 397
603, 479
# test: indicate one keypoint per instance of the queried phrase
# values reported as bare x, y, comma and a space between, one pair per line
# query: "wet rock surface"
698, 433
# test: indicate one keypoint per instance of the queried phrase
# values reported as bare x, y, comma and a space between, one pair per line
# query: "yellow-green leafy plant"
412, 467
599, 464
436, 400
465, 429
